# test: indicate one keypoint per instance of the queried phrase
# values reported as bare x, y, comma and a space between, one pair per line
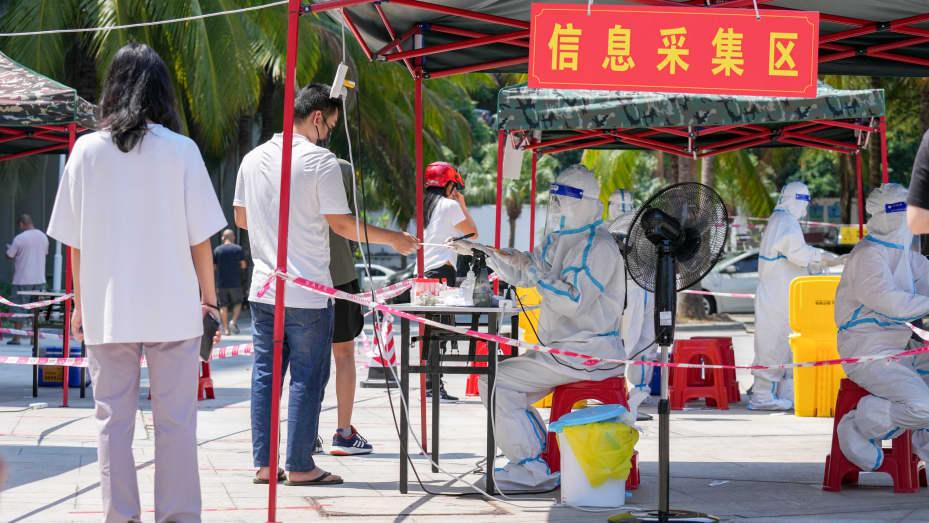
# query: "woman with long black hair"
137, 208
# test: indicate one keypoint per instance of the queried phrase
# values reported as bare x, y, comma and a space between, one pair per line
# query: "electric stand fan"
673, 242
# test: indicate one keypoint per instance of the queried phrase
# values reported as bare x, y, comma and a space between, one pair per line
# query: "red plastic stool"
732, 384
688, 384
205, 383
610, 391
905, 468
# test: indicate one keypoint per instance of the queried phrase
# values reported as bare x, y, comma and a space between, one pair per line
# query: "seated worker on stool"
885, 285
639, 314
580, 275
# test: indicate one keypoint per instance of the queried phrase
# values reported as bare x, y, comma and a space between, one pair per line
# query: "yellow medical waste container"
812, 320
848, 234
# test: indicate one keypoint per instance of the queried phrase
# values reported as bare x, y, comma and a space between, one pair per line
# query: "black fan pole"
665, 304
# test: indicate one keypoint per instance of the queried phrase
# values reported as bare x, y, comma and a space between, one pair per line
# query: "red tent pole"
420, 262
66, 339
293, 31
501, 145
534, 163
885, 177
860, 195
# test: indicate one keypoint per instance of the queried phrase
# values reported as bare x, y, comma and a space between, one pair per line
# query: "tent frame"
60, 138
412, 60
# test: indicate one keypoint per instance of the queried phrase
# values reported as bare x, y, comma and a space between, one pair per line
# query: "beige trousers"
173, 373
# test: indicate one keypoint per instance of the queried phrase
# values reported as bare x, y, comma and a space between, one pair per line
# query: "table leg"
405, 393
436, 377
35, 352
491, 409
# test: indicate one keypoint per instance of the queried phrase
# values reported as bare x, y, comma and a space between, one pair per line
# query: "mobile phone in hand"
210, 326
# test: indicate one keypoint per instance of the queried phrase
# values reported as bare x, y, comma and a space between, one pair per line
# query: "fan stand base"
654, 516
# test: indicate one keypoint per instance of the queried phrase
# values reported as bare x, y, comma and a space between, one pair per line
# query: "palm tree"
228, 72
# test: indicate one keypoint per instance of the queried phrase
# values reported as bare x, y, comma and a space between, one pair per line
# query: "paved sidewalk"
736, 464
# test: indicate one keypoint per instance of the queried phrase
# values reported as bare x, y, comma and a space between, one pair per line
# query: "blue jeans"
307, 350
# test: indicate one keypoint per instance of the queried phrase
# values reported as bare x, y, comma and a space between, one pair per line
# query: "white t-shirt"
441, 227
28, 250
134, 217
316, 189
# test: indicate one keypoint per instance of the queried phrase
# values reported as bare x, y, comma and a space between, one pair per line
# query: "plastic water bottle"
467, 287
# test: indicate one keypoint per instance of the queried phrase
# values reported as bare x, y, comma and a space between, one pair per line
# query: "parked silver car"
736, 274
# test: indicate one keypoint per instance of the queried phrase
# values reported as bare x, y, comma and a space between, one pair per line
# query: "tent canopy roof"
684, 124
35, 110
858, 37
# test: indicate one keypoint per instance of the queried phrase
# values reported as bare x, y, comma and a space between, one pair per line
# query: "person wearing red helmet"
445, 216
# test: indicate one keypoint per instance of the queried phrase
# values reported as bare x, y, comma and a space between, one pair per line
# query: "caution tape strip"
219, 353
585, 359
15, 315
35, 304
723, 294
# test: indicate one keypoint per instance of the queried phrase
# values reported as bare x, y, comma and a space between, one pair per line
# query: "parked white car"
737, 274
379, 276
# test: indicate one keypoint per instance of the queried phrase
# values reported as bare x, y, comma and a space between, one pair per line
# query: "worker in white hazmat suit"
639, 314
579, 273
783, 256
885, 284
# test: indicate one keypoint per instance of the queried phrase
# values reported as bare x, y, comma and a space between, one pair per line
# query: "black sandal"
320, 480
280, 477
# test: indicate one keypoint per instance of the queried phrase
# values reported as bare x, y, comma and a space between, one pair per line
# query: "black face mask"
324, 143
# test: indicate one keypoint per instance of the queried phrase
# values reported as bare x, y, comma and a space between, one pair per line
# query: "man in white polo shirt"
318, 202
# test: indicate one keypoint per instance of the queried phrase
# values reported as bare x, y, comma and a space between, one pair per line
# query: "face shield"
887, 207
568, 208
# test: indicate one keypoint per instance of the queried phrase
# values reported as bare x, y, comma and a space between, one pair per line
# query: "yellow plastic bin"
812, 320
815, 388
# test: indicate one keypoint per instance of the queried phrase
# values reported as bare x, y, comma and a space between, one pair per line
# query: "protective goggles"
566, 191
803, 197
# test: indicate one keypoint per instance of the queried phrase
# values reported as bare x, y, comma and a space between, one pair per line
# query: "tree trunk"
660, 172
514, 209
708, 171
686, 169
924, 107
673, 171
847, 186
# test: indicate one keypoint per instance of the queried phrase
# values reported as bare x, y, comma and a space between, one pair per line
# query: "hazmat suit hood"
795, 198
621, 211
574, 201
887, 207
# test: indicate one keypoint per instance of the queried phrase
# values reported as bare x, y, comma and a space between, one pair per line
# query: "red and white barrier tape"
585, 359
722, 294
28, 334
382, 294
218, 353
35, 304
15, 315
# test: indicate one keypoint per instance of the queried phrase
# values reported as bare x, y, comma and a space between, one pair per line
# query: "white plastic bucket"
576, 490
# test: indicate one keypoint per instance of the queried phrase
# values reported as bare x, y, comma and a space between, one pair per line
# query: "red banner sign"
674, 49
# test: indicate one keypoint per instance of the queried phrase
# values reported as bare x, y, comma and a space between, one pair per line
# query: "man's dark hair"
315, 97
24, 219
137, 90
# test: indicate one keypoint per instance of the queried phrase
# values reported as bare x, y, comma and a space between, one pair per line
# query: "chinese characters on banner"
676, 49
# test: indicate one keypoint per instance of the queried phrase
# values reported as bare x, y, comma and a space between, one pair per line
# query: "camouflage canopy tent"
553, 120
548, 121
37, 114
